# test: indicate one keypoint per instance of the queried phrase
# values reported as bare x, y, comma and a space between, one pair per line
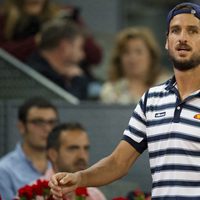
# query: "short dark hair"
38, 102
53, 140
55, 31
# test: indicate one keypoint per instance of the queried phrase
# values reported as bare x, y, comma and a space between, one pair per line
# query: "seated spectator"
58, 56
21, 21
68, 150
134, 67
93, 52
28, 162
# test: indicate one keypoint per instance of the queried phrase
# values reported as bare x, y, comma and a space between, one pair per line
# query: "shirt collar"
20, 150
170, 83
22, 155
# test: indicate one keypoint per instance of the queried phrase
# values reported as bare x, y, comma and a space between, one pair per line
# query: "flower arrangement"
81, 193
38, 191
41, 191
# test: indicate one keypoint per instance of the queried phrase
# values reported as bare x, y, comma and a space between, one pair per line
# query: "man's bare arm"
103, 172
110, 168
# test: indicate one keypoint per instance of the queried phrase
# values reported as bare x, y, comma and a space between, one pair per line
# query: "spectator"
60, 51
28, 162
93, 52
21, 21
68, 150
135, 66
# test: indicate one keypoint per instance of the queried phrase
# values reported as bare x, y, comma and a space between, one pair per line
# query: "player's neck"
187, 81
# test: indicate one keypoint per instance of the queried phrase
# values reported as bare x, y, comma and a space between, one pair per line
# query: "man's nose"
83, 154
183, 37
47, 127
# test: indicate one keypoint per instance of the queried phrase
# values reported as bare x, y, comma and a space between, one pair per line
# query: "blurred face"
73, 154
72, 51
37, 127
135, 58
183, 41
34, 7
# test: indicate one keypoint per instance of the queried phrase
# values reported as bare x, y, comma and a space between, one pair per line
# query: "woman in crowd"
21, 22
135, 66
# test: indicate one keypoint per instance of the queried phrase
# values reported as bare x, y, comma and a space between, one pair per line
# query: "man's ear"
21, 127
166, 43
52, 155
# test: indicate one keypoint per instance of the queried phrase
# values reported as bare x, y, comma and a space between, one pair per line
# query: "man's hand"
63, 183
72, 71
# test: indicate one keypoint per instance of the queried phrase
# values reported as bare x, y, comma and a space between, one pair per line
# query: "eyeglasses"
42, 122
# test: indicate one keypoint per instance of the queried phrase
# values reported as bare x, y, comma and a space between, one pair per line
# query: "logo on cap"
193, 11
197, 116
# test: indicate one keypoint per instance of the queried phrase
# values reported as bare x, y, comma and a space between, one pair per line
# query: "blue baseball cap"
187, 7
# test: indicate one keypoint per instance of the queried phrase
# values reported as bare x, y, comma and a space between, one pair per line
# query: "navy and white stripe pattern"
168, 128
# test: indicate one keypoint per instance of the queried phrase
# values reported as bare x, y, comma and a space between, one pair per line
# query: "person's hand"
63, 183
72, 71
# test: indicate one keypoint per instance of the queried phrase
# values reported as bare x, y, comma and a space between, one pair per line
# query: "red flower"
81, 191
26, 191
120, 198
37, 190
40, 188
42, 183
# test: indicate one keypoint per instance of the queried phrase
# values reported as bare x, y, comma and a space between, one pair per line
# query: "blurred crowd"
55, 41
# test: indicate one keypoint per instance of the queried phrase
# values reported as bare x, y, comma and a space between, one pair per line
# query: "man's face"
39, 123
183, 41
72, 51
34, 7
73, 154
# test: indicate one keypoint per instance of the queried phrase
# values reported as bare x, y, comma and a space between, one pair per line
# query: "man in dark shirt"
60, 51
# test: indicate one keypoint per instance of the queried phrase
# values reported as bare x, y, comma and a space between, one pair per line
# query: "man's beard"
185, 65
78, 165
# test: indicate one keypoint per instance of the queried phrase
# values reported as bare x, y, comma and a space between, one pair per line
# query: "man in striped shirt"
166, 122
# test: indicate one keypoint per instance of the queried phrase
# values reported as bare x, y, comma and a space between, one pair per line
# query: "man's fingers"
57, 194
60, 175
61, 184
54, 186
66, 190
56, 178
67, 179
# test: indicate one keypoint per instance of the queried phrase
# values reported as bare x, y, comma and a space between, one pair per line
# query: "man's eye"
174, 31
193, 31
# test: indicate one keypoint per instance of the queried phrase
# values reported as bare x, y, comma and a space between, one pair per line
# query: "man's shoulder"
160, 87
37, 62
9, 161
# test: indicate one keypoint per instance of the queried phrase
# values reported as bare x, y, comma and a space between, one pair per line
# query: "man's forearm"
100, 174
108, 169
